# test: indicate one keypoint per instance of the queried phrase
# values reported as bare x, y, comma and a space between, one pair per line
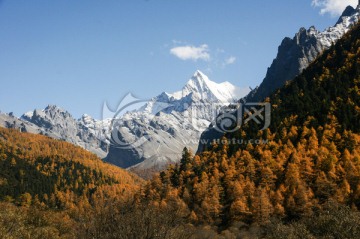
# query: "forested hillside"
54, 184
311, 160
37, 169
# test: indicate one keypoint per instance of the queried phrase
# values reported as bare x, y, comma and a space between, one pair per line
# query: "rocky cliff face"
295, 54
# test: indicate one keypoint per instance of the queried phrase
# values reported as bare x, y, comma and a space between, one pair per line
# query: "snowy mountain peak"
203, 88
199, 82
199, 76
198, 89
349, 13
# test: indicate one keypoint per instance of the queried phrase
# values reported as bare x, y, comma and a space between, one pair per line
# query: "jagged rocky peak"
305, 34
348, 12
54, 110
50, 117
50, 112
295, 54
58, 123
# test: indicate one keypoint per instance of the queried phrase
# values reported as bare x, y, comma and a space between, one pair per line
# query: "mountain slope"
154, 135
294, 55
311, 156
38, 169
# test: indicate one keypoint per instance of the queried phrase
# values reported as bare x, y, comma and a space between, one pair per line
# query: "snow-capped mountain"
294, 55
55, 122
155, 135
12, 122
204, 89
148, 138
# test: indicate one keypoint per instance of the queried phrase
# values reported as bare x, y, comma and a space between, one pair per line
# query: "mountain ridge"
58, 123
295, 54
167, 122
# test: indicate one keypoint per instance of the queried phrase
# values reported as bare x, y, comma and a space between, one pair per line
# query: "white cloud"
189, 52
333, 7
230, 60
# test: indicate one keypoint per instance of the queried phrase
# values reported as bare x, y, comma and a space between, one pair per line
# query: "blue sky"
78, 54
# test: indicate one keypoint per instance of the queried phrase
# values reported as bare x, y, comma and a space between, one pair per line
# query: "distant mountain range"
57, 123
151, 136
